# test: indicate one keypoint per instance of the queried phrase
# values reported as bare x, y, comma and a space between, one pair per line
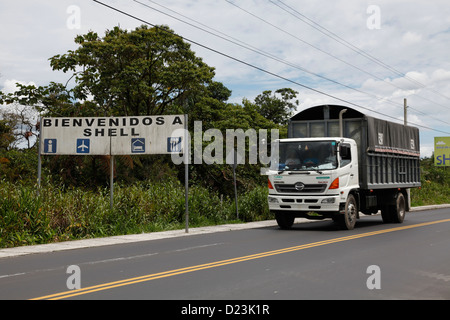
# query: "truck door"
348, 166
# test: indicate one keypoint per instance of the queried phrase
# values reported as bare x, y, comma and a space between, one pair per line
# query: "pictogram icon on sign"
174, 144
138, 145
50, 146
83, 145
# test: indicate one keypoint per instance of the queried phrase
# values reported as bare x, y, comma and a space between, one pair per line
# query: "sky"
367, 55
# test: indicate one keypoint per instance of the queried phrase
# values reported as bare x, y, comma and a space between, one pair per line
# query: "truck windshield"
305, 156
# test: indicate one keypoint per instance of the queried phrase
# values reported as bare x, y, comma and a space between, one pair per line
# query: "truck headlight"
273, 200
328, 200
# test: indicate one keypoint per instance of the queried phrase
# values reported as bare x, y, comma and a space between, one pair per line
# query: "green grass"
60, 214
435, 187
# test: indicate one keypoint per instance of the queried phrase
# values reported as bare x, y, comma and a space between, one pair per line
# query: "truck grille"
309, 188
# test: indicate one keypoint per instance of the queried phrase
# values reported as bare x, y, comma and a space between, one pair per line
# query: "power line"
251, 65
323, 51
349, 45
307, 43
256, 50
333, 56
335, 37
264, 53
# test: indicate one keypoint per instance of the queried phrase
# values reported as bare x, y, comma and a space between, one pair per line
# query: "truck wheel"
394, 213
347, 220
399, 210
285, 220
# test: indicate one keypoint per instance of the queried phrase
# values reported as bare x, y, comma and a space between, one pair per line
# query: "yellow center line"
171, 273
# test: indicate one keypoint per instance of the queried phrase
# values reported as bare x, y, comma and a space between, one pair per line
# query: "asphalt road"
312, 261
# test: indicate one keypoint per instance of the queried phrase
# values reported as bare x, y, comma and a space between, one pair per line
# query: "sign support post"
111, 181
235, 187
186, 173
39, 173
233, 158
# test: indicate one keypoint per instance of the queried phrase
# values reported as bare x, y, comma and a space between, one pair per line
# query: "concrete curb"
88, 243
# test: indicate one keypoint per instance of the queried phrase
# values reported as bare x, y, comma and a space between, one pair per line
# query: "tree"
147, 71
6, 134
142, 72
274, 108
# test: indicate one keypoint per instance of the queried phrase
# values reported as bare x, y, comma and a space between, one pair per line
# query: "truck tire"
347, 220
394, 213
399, 210
285, 220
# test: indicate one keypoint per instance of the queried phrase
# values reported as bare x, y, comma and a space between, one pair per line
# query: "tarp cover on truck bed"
386, 136
388, 152
372, 134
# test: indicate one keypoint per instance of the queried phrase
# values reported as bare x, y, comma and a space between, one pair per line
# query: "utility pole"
405, 107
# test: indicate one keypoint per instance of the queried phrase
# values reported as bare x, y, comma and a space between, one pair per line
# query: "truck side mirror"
344, 151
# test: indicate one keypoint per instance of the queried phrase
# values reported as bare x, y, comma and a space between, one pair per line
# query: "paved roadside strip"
87, 243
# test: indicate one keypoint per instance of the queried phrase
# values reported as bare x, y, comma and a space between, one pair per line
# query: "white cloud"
411, 38
10, 85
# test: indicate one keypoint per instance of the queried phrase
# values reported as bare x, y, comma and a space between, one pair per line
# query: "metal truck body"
338, 162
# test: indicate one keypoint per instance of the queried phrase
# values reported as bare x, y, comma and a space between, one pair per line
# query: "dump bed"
389, 152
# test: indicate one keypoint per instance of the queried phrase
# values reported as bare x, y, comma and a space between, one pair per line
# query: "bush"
60, 213
23, 219
435, 187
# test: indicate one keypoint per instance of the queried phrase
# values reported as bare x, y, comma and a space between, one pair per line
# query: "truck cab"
312, 178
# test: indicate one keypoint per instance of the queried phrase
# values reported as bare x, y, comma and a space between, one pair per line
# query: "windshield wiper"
290, 171
316, 169
299, 172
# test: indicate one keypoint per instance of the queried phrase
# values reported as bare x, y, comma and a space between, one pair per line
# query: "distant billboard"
442, 151
162, 134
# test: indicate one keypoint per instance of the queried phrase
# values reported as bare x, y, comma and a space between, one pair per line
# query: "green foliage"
22, 218
6, 134
274, 108
19, 165
435, 187
60, 214
142, 72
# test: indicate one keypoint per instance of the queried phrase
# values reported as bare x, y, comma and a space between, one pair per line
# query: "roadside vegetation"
62, 213
435, 185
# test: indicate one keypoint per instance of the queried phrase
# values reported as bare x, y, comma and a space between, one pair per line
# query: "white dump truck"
338, 162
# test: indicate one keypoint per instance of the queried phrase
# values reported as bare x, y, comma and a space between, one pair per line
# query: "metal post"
39, 158
186, 172
405, 107
235, 186
111, 181
341, 122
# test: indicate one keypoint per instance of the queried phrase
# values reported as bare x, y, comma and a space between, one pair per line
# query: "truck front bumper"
325, 203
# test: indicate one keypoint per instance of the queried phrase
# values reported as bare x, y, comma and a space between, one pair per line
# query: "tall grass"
435, 185
60, 214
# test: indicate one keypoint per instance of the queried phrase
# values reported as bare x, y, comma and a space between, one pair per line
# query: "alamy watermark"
374, 20
74, 280
214, 147
74, 19
374, 280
